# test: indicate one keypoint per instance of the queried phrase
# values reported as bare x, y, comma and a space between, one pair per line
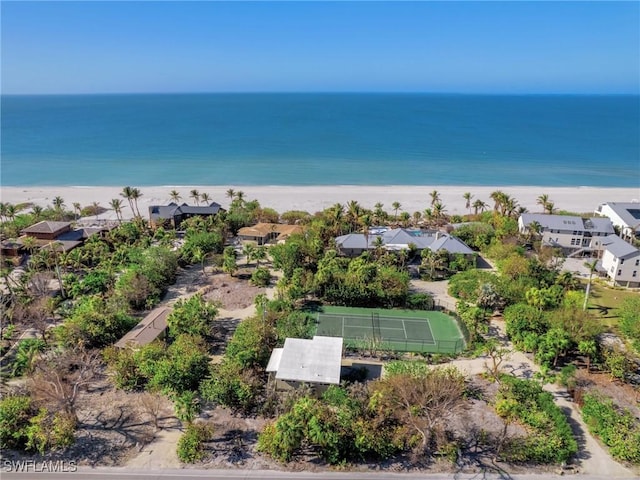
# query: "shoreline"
316, 198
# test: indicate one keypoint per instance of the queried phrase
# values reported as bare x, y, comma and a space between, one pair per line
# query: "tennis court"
399, 330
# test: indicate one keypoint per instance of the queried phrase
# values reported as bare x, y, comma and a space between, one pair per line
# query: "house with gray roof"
621, 262
353, 244
624, 215
173, 214
316, 362
574, 235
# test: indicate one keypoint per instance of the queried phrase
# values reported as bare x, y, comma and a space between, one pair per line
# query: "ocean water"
320, 139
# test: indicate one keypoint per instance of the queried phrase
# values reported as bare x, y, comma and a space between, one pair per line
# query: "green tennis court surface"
399, 330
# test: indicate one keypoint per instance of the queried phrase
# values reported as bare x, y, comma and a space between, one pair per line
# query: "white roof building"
308, 361
624, 215
621, 261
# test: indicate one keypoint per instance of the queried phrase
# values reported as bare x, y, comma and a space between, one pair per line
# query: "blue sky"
465, 47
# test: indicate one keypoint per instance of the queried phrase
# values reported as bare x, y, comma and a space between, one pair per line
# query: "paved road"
132, 474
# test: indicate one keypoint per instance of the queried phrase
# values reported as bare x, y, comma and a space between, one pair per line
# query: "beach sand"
316, 198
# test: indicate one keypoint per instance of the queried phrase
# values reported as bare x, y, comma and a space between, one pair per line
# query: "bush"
194, 316
191, 443
15, 412
419, 301
261, 277
550, 439
617, 428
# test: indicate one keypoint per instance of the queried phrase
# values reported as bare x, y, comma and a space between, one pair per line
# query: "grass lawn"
604, 302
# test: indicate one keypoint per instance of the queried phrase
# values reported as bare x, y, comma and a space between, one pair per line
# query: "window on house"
637, 262
621, 261
619, 272
635, 272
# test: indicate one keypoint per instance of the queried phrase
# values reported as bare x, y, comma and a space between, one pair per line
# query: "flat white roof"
312, 361
274, 360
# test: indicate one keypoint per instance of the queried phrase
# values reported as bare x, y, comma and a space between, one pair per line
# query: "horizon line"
320, 92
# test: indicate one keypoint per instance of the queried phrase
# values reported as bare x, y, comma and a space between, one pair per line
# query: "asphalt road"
35, 472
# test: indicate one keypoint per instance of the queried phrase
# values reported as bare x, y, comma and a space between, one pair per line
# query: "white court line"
405, 330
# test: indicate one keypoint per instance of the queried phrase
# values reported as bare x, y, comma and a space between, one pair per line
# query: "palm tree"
135, 195
550, 208
95, 208
365, 221
174, 195
260, 253
534, 229
11, 211
353, 214
195, 194
116, 205
396, 206
77, 209
206, 198
37, 212
438, 212
543, 200
378, 213
435, 197
479, 205
58, 205
127, 192
498, 197
417, 216
248, 250
592, 269
240, 197
467, 196
3, 210
405, 219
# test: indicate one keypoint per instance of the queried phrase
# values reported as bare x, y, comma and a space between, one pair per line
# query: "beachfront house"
173, 215
574, 235
624, 215
316, 363
621, 262
353, 244
49, 235
263, 233
150, 328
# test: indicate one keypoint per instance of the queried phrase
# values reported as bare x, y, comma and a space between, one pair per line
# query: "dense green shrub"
340, 427
26, 353
194, 316
616, 427
261, 277
191, 444
95, 322
549, 439
232, 386
15, 412
200, 243
466, 285
419, 301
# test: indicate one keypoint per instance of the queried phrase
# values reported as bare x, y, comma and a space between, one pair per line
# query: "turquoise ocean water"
320, 139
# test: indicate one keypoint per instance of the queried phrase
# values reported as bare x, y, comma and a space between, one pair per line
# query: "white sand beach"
316, 198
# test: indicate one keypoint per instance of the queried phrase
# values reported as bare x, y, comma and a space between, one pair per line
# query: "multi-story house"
573, 234
621, 262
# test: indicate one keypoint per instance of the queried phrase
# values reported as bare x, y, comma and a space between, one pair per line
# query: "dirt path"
161, 453
592, 457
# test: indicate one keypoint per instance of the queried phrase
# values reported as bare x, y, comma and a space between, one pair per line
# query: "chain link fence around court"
380, 332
